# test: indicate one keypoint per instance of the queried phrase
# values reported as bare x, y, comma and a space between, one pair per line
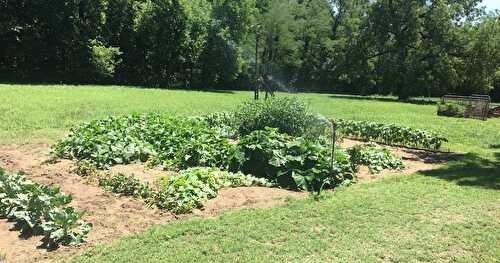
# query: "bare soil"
413, 159
115, 217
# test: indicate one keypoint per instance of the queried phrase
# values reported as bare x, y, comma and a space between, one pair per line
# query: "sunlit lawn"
451, 214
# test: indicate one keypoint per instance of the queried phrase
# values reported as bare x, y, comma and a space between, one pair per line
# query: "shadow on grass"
384, 99
471, 170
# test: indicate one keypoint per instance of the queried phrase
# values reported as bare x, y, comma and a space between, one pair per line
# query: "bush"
451, 109
375, 157
287, 114
291, 162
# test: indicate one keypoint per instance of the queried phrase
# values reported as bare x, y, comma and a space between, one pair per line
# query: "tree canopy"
401, 47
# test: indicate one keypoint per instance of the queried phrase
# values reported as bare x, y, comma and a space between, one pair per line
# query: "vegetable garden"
272, 143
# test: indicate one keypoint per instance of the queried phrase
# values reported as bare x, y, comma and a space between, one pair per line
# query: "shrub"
287, 114
295, 163
188, 190
451, 109
375, 157
390, 134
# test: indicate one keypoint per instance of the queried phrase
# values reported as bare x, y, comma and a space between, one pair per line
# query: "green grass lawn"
40, 114
449, 214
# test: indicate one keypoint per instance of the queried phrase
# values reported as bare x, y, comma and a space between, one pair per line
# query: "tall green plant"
295, 163
288, 114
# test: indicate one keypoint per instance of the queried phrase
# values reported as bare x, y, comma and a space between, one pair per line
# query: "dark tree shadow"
471, 170
384, 99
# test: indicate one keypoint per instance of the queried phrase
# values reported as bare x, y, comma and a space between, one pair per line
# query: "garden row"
41, 210
180, 193
390, 134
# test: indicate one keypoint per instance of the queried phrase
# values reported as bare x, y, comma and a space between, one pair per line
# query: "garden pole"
257, 77
334, 139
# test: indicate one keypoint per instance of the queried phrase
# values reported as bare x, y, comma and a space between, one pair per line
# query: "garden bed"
113, 216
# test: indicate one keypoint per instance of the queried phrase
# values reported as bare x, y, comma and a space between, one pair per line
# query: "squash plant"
39, 209
296, 163
390, 134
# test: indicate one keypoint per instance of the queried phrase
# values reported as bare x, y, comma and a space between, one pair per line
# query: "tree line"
402, 47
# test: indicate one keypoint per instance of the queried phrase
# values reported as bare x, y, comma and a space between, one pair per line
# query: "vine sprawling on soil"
39, 209
375, 157
390, 134
180, 193
160, 139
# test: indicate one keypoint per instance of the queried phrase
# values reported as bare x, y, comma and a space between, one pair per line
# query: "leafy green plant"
375, 157
37, 210
222, 122
288, 114
451, 109
126, 185
295, 163
59, 227
159, 139
188, 190
390, 134
105, 59
85, 168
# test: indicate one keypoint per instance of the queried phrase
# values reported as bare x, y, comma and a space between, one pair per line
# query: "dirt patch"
414, 161
113, 216
141, 172
247, 197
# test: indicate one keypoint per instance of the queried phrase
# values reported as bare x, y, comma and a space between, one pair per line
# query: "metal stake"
334, 139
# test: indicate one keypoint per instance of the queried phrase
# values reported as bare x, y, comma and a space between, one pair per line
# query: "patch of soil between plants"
113, 216
414, 161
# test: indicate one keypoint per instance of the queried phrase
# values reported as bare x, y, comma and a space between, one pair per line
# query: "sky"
491, 4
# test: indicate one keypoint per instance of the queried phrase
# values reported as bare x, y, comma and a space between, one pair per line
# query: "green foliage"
38, 209
390, 134
85, 168
406, 48
375, 157
451, 109
223, 122
188, 190
105, 59
64, 226
288, 114
127, 185
296, 163
163, 140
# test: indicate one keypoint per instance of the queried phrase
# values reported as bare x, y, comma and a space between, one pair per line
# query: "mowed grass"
411, 219
451, 214
42, 114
